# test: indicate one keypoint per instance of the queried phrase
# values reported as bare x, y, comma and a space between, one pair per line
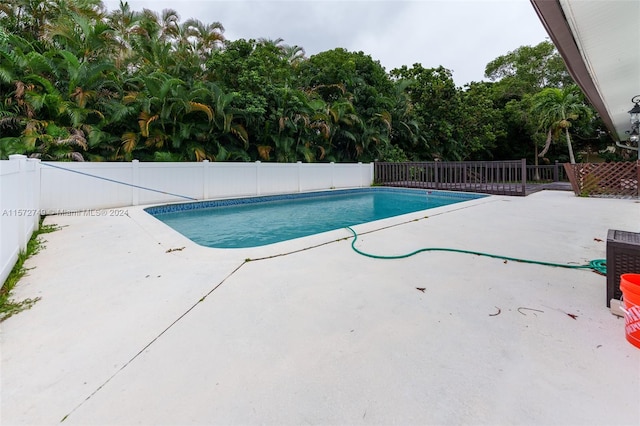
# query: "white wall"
29, 187
19, 208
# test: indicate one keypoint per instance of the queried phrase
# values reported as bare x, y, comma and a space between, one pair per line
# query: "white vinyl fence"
79, 186
19, 208
30, 187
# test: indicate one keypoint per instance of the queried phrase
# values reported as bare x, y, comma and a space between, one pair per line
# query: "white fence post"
135, 180
257, 177
35, 195
205, 179
22, 204
299, 176
332, 166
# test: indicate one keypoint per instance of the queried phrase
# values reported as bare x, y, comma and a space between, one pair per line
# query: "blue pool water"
257, 221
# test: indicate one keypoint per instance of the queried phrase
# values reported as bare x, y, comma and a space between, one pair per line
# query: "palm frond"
76, 156
144, 120
200, 153
6, 75
129, 141
196, 106
37, 63
264, 151
239, 131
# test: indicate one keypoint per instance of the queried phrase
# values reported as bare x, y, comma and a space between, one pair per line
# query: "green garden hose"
597, 265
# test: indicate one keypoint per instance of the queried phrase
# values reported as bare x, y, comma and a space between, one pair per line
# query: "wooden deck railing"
550, 173
491, 177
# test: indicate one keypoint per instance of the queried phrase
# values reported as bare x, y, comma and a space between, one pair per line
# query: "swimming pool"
258, 221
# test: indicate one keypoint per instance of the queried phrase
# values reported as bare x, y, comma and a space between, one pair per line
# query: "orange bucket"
630, 286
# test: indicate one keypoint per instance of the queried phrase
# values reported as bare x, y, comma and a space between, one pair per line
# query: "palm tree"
288, 127
126, 25
203, 38
555, 109
164, 26
161, 101
339, 126
232, 139
293, 54
28, 17
405, 129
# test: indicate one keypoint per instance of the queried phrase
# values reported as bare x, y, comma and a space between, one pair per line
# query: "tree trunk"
572, 159
547, 144
535, 160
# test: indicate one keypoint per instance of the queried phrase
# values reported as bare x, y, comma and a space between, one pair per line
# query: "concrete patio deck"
129, 332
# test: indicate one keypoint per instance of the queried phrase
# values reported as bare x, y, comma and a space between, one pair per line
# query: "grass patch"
8, 306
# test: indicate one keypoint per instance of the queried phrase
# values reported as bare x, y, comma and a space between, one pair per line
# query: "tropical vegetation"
78, 82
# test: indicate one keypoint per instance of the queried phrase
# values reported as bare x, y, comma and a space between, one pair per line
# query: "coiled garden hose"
597, 265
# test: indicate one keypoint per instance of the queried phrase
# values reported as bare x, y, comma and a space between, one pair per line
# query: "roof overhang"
599, 41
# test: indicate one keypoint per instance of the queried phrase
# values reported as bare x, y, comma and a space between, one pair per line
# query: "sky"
461, 35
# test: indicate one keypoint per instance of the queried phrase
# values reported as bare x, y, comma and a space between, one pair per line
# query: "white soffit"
607, 32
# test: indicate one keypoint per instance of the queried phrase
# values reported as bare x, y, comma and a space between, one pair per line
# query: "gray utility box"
623, 257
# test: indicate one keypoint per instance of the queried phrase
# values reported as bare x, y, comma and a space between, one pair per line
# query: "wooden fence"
491, 177
547, 174
605, 179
